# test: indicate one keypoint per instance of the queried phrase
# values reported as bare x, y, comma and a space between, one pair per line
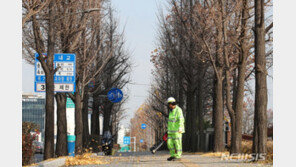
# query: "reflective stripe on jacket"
176, 121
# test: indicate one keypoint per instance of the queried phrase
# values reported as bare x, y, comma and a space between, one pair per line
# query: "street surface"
38, 158
146, 159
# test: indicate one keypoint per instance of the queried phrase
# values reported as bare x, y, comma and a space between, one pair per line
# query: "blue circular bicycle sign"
143, 126
115, 95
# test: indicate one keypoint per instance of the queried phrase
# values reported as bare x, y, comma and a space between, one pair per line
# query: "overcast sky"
139, 17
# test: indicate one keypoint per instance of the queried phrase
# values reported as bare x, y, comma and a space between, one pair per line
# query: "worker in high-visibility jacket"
175, 130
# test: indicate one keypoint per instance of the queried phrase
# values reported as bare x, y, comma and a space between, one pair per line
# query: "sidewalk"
147, 160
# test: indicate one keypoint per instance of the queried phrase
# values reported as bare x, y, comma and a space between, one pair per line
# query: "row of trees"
90, 30
142, 116
208, 52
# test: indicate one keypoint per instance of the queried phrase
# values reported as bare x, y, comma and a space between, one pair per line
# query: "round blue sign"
115, 95
141, 141
143, 126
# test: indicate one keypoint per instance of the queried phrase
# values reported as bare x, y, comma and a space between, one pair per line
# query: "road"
146, 159
38, 158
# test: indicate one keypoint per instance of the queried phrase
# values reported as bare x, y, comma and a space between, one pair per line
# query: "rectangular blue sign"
126, 140
64, 78
60, 79
67, 57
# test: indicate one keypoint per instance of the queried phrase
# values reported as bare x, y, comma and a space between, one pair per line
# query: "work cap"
171, 100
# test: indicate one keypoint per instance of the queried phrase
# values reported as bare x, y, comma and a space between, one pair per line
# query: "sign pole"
135, 140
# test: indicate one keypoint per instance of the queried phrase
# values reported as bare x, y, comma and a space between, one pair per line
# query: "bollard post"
71, 145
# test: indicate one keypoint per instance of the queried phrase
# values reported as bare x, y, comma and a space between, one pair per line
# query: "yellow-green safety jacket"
176, 121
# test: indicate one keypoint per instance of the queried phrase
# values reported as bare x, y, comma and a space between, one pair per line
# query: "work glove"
181, 130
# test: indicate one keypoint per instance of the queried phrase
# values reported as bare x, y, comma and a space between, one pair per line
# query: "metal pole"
135, 139
131, 139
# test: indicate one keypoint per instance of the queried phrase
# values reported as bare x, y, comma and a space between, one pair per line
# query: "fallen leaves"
34, 164
86, 159
247, 151
215, 154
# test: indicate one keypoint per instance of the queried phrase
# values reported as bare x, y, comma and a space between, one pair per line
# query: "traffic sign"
70, 103
141, 141
115, 95
64, 78
91, 84
143, 126
126, 140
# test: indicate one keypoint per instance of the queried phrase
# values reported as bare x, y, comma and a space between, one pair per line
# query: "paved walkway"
146, 159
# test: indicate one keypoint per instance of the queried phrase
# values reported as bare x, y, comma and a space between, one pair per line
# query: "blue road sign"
141, 141
91, 84
115, 95
64, 78
126, 140
143, 126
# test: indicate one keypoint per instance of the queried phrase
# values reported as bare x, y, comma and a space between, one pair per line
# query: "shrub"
27, 142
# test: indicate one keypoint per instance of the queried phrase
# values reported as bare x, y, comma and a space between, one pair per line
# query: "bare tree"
39, 36
260, 118
47, 65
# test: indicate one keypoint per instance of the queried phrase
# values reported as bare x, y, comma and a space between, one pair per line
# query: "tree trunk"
95, 121
181, 93
239, 103
107, 116
49, 106
239, 107
61, 145
200, 112
234, 87
214, 100
261, 85
189, 120
218, 88
218, 125
194, 125
255, 135
114, 126
240, 91
233, 134
85, 118
78, 121
49, 118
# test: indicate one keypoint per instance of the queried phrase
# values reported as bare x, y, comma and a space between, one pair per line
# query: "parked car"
38, 146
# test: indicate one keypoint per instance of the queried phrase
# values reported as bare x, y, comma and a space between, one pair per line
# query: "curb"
53, 163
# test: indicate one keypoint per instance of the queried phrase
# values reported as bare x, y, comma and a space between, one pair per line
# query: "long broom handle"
159, 146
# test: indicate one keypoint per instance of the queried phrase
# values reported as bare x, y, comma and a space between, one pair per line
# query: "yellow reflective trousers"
174, 143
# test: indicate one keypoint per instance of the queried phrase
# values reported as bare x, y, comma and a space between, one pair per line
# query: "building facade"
33, 110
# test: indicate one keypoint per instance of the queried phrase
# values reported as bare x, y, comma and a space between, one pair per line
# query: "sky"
138, 18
